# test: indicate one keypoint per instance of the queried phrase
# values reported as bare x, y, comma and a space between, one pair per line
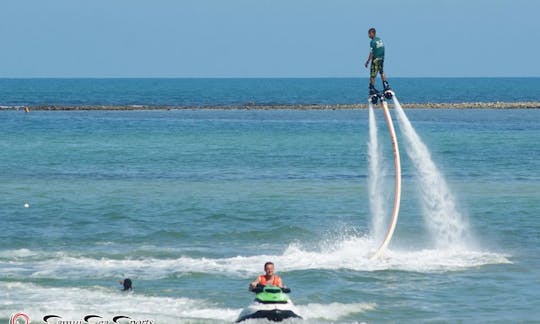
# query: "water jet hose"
397, 193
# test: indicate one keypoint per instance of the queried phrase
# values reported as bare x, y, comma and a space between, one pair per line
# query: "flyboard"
397, 161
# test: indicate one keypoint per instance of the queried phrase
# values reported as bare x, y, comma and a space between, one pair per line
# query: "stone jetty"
253, 106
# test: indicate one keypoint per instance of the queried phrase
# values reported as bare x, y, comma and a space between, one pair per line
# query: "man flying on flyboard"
376, 56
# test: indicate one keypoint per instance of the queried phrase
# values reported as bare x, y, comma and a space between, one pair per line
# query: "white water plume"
376, 176
445, 223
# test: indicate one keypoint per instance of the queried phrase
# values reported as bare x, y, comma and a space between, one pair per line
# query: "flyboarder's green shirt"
377, 48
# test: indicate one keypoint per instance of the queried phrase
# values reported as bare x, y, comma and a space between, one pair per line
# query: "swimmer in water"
127, 284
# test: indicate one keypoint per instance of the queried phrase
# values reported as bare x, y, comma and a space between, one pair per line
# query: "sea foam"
346, 253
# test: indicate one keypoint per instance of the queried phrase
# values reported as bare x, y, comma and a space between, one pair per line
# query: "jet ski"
271, 303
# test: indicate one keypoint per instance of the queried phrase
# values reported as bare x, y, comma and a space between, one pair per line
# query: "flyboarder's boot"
373, 94
387, 90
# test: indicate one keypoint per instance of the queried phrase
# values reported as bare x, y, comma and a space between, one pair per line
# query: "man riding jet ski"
271, 300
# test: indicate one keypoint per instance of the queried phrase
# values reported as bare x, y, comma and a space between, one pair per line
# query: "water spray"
376, 177
397, 192
446, 225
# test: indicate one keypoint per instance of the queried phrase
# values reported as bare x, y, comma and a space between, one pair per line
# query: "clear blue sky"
267, 38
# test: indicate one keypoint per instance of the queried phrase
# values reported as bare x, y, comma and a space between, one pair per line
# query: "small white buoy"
26, 205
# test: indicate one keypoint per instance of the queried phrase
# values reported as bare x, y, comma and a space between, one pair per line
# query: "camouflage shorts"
376, 66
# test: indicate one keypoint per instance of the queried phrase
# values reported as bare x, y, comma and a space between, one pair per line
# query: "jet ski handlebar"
260, 288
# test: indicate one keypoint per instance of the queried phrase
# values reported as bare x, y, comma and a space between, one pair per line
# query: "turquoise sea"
227, 92
189, 204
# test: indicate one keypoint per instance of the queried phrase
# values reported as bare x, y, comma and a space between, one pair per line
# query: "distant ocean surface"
225, 92
189, 204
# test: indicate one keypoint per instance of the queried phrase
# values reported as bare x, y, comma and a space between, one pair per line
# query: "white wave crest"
349, 253
333, 311
74, 303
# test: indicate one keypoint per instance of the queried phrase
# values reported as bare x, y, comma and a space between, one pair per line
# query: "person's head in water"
127, 284
371, 33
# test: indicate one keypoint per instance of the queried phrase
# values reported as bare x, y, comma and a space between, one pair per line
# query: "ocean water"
189, 204
224, 92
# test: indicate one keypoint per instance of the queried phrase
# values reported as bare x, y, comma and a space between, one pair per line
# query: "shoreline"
427, 105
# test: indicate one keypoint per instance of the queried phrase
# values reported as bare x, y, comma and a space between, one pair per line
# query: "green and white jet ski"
271, 303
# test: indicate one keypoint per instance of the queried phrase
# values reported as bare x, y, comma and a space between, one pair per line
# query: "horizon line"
261, 77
